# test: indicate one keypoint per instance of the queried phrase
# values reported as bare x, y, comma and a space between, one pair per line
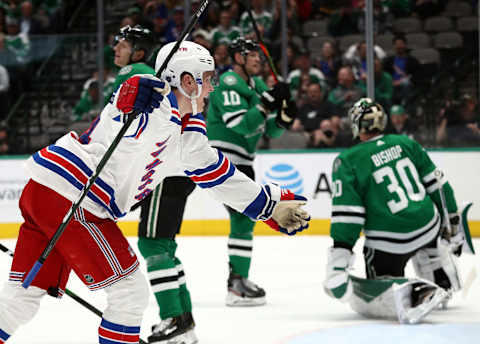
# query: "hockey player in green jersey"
241, 110
388, 187
132, 47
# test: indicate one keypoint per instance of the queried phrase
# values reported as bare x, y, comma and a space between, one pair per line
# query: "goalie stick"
70, 293
51, 244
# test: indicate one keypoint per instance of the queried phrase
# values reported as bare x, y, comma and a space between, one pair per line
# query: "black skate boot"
243, 292
177, 330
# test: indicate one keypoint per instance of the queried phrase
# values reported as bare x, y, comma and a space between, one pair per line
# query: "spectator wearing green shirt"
383, 85
304, 68
226, 32
262, 18
347, 91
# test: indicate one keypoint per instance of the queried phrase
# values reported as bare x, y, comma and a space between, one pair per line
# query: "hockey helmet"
139, 37
190, 58
366, 116
242, 46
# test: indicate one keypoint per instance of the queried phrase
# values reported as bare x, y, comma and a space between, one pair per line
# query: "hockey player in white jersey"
156, 145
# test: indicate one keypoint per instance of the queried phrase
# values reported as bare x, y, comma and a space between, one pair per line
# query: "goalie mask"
190, 58
367, 116
139, 37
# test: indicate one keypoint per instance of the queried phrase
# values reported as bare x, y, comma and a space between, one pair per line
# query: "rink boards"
306, 172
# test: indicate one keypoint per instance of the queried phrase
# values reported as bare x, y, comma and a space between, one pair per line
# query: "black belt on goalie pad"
379, 263
162, 211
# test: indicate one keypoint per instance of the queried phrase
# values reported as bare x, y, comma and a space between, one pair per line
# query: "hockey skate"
416, 300
177, 330
243, 292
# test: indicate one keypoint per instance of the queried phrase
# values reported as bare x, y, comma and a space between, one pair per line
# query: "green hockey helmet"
366, 116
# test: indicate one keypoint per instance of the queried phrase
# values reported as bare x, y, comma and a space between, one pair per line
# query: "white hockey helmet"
190, 58
366, 116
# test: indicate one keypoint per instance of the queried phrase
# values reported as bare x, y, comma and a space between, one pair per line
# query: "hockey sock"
3, 336
162, 274
240, 243
111, 333
186, 302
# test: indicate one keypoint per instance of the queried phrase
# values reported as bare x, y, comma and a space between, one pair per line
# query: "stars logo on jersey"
125, 70
230, 80
380, 143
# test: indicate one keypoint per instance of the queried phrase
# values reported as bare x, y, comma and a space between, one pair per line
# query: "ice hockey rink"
291, 269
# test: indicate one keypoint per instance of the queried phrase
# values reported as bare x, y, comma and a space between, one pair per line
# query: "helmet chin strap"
192, 97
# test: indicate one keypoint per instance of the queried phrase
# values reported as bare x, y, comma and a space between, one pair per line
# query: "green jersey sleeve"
433, 179
237, 104
348, 210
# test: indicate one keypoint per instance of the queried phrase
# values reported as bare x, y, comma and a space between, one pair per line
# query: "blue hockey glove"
141, 94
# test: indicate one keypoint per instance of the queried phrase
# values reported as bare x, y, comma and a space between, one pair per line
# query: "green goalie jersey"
387, 186
234, 123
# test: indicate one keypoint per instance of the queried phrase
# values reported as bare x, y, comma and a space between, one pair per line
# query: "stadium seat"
467, 24
419, 40
314, 44
407, 25
385, 42
315, 28
298, 41
438, 24
429, 60
457, 9
447, 40
348, 40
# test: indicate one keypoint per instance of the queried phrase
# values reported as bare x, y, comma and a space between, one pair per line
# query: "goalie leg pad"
407, 300
438, 265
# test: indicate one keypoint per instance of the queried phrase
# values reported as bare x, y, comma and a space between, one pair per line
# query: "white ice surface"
291, 270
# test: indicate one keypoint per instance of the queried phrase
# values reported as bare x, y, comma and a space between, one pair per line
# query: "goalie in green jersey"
388, 187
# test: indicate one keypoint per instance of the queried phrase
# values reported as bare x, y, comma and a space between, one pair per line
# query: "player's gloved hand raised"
287, 114
142, 94
273, 99
288, 217
337, 282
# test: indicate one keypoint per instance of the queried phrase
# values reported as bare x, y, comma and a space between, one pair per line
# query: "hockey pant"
240, 240
160, 221
94, 248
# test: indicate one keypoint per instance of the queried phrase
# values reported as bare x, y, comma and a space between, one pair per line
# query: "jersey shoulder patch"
125, 70
230, 80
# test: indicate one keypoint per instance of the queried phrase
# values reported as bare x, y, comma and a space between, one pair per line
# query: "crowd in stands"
19, 20
326, 57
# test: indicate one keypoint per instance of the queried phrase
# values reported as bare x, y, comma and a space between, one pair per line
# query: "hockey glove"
454, 238
337, 282
288, 217
287, 114
141, 94
273, 99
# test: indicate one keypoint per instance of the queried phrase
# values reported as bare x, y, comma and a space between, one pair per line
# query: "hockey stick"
70, 293
51, 244
273, 70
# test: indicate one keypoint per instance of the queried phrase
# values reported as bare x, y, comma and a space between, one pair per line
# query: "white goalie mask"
365, 116
190, 58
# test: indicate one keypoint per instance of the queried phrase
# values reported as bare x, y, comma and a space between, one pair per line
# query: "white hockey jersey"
155, 146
